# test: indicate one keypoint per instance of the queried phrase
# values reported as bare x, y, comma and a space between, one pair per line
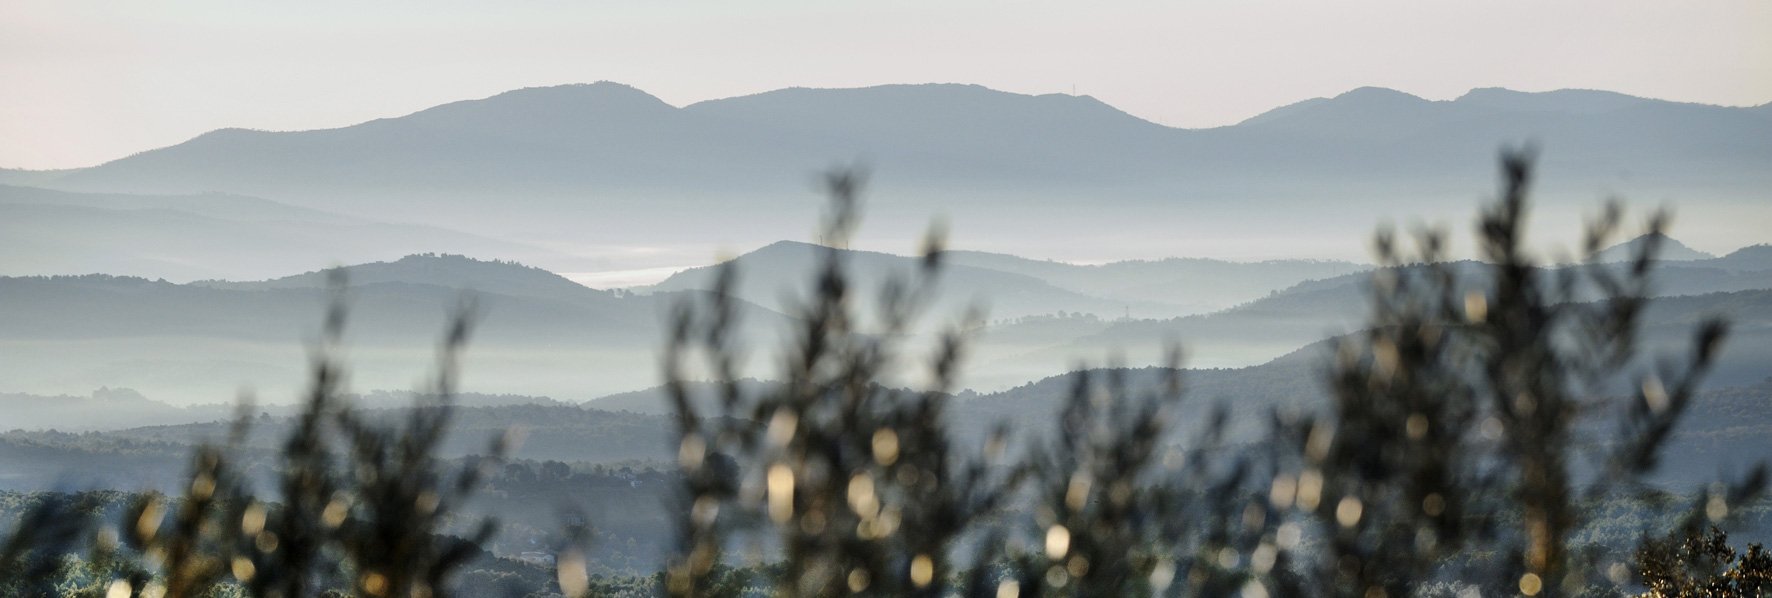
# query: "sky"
86, 81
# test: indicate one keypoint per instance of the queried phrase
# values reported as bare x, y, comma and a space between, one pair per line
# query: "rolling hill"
1013, 287
1191, 285
210, 236
1754, 258
450, 271
535, 333
1669, 249
776, 277
1276, 324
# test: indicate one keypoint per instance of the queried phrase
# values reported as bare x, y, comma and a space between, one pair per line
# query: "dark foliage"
1457, 412
1702, 565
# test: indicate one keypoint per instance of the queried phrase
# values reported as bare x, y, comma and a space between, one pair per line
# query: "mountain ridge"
1669, 249
1484, 95
443, 270
201, 236
611, 162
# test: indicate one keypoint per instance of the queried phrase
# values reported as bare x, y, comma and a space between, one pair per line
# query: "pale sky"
85, 81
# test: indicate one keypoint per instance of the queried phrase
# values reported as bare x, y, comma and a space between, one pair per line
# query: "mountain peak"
600, 90
787, 245
1370, 93
899, 91
543, 109
441, 270
444, 268
1352, 112
1584, 101
946, 107
1753, 257
1671, 250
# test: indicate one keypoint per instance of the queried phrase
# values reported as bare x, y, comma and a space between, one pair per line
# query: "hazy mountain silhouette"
107, 409
1751, 258
447, 271
1027, 339
1015, 287
774, 277
611, 163
16, 176
1670, 250
223, 206
211, 235
535, 333
1192, 284
541, 334
1314, 310
656, 400
1292, 381
103, 409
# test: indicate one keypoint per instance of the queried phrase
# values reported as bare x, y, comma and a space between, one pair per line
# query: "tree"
1456, 410
1699, 564
367, 519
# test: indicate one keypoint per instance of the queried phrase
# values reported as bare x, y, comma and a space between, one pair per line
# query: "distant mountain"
120, 408
1752, 258
1014, 287
656, 400
609, 163
104, 409
534, 333
1191, 284
221, 206
208, 235
1291, 378
14, 176
1669, 250
445, 270
1038, 326
778, 277
1351, 115
1309, 312
540, 334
